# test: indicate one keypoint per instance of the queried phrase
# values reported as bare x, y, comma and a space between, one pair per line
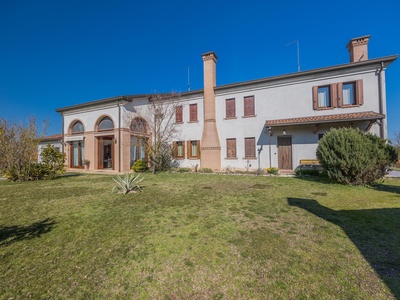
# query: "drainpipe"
381, 99
62, 134
119, 137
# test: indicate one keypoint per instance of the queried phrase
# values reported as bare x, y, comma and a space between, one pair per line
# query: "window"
106, 124
77, 128
350, 93
231, 148
250, 147
323, 97
178, 114
249, 110
193, 149
338, 95
77, 150
320, 136
193, 112
230, 108
179, 149
139, 126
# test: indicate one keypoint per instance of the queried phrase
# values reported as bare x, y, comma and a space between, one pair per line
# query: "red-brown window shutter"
249, 106
339, 88
231, 148
193, 112
230, 108
250, 147
315, 97
359, 92
178, 114
333, 95
175, 149
189, 150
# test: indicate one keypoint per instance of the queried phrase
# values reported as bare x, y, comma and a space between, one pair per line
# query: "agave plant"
127, 184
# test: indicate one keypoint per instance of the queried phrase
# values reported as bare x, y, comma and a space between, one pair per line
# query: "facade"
269, 122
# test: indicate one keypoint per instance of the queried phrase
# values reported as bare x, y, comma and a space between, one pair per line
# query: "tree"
350, 156
18, 147
160, 116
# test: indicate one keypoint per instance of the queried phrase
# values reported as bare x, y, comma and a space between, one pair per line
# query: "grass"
196, 236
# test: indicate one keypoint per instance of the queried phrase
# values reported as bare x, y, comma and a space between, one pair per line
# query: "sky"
55, 54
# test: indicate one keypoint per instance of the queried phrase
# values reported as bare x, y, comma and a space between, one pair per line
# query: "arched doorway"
105, 143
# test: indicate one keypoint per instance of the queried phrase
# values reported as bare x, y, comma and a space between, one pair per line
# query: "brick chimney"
210, 145
358, 48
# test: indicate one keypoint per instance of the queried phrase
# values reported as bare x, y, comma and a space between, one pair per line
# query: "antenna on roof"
298, 53
188, 79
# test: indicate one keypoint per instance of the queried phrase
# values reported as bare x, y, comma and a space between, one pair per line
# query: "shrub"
351, 157
139, 166
31, 171
54, 159
310, 170
127, 184
183, 170
205, 170
272, 170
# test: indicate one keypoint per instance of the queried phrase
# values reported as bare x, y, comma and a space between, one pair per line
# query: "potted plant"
86, 163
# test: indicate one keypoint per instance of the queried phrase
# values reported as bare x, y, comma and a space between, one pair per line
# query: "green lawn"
194, 236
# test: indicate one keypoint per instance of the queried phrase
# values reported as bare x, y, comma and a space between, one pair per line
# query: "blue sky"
59, 53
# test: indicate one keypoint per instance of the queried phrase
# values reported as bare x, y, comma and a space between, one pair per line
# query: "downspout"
62, 133
381, 109
119, 137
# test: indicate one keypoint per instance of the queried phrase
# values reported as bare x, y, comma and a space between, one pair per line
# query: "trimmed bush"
139, 166
272, 171
350, 156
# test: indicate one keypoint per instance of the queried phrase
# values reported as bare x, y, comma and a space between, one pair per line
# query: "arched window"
106, 124
77, 128
139, 126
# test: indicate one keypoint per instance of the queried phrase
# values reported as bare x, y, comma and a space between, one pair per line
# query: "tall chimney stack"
358, 48
210, 145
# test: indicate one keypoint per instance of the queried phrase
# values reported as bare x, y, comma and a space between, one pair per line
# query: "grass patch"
191, 236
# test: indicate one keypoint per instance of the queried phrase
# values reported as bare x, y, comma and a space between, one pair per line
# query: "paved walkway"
394, 174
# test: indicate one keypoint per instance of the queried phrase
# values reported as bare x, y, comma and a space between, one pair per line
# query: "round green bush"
350, 156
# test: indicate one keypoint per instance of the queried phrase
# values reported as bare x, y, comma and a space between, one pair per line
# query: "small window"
320, 136
231, 148
193, 149
250, 147
230, 108
179, 150
178, 114
323, 97
193, 112
249, 110
106, 124
348, 94
77, 128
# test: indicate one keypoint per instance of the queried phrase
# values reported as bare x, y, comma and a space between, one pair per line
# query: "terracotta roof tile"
361, 116
53, 137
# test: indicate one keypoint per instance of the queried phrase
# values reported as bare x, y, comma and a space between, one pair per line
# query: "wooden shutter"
193, 112
231, 148
183, 150
230, 108
315, 97
333, 95
198, 149
359, 92
339, 88
249, 106
175, 149
178, 114
250, 147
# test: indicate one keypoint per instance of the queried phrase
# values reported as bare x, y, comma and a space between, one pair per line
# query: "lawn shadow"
387, 188
15, 233
375, 232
